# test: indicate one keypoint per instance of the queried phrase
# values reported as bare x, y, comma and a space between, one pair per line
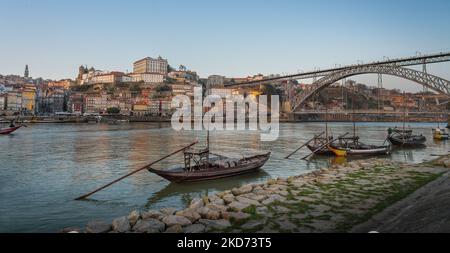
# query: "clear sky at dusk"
232, 38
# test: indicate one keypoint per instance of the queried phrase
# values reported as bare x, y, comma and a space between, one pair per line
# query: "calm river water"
45, 166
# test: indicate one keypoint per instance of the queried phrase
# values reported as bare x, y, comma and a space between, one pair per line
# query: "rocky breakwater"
328, 200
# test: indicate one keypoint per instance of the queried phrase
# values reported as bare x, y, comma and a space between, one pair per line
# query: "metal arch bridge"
395, 67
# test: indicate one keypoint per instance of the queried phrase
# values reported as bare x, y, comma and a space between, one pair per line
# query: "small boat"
198, 167
352, 147
405, 138
317, 145
5, 131
440, 134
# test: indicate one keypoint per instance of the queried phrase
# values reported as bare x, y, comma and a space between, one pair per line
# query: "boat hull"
179, 175
343, 152
322, 151
9, 130
413, 141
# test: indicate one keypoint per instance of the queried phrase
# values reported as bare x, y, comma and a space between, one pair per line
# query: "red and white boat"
4, 131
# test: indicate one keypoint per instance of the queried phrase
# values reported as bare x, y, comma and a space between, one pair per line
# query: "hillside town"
149, 89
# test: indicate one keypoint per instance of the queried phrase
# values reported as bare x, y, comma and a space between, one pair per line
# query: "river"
45, 166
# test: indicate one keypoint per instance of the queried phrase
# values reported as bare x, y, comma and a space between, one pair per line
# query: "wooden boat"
405, 138
9, 130
440, 134
199, 167
317, 145
359, 149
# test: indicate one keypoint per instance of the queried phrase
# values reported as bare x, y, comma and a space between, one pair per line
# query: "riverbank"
335, 199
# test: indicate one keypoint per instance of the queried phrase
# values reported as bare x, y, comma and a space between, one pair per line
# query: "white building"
147, 77
151, 65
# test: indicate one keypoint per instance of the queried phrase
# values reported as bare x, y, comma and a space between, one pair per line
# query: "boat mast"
353, 115
404, 111
326, 115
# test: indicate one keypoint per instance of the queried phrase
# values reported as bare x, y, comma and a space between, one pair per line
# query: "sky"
234, 38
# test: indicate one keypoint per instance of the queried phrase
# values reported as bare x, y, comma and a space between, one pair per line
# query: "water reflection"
45, 166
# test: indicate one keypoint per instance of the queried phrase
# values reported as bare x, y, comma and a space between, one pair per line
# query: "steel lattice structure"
435, 83
399, 62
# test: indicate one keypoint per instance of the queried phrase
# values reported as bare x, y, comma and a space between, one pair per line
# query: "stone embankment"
335, 199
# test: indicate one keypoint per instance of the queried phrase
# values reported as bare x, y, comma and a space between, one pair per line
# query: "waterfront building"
52, 101
29, 99
14, 101
2, 101
151, 65
93, 103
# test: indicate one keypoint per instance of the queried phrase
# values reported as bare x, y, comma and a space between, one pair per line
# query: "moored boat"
405, 138
197, 168
440, 134
5, 131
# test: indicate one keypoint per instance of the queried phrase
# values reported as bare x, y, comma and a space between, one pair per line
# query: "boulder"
272, 198
257, 197
195, 228
133, 217
152, 214
236, 205
121, 225
149, 226
98, 227
218, 208
196, 204
253, 224
235, 216
174, 229
191, 215
242, 190
215, 224
168, 211
228, 198
247, 201
173, 220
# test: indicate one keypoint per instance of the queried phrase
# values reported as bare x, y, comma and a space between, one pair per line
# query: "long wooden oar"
306, 143
324, 145
133, 172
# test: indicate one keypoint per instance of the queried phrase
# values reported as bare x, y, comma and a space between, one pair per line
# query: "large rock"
207, 213
257, 197
168, 211
149, 226
152, 214
173, 220
253, 224
235, 216
272, 198
196, 204
194, 228
242, 190
247, 201
215, 224
133, 217
228, 198
190, 215
98, 227
121, 225
236, 205
174, 229
217, 208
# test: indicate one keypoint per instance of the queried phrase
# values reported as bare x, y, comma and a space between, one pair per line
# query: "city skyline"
232, 39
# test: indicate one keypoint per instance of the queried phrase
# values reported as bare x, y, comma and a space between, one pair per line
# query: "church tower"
27, 73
